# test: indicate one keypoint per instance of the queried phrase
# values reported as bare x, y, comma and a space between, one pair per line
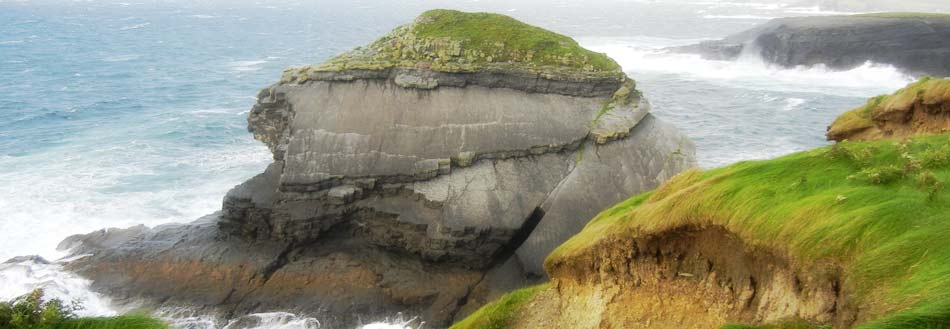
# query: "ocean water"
114, 114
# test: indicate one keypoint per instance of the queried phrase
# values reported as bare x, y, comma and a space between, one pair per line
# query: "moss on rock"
455, 41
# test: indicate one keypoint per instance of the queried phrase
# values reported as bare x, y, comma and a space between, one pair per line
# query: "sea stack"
424, 173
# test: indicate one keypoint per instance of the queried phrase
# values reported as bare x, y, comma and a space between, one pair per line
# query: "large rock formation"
424, 173
918, 44
922, 108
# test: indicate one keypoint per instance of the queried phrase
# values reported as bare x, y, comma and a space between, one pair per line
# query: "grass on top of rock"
500, 313
904, 15
32, 311
877, 209
926, 91
455, 41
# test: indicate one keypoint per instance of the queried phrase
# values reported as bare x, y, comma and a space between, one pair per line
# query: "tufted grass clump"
500, 313
874, 209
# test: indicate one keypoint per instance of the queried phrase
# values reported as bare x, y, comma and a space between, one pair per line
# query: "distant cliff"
918, 44
425, 173
883, 5
853, 235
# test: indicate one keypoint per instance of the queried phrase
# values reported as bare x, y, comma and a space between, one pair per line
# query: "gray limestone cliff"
404, 181
916, 43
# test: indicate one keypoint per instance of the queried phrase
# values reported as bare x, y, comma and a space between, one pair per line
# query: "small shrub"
929, 182
883, 174
31, 311
936, 157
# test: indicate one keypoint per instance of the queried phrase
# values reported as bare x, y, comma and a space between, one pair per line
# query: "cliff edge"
425, 173
852, 235
922, 108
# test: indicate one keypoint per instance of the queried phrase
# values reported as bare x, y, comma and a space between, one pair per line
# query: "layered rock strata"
423, 174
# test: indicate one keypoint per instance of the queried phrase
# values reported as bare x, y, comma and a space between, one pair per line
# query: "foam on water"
648, 55
22, 277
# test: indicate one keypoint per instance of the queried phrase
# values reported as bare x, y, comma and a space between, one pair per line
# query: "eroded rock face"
918, 45
407, 190
922, 108
688, 277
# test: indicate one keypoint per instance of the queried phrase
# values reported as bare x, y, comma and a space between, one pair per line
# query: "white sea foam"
78, 190
793, 103
21, 277
134, 27
243, 66
750, 72
755, 17
181, 318
121, 58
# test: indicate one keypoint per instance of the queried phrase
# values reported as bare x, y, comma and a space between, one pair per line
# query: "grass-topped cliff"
455, 41
856, 234
877, 209
921, 108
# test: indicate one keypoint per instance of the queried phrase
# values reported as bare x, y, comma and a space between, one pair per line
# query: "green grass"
500, 313
927, 90
878, 209
904, 15
117, 322
455, 41
508, 39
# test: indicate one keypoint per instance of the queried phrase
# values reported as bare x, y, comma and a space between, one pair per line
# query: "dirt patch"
691, 277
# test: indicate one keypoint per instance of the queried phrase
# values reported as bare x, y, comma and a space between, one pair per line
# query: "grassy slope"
450, 40
876, 208
498, 314
118, 322
495, 33
928, 89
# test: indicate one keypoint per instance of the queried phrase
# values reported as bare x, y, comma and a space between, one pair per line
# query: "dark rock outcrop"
403, 183
918, 44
